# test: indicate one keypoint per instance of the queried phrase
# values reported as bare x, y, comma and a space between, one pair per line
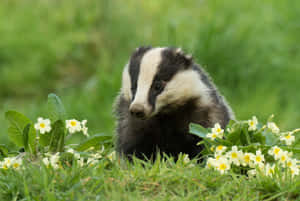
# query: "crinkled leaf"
223, 142
17, 122
3, 150
259, 138
198, 130
25, 137
271, 139
57, 136
29, 136
234, 137
230, 124
56, 109
45, 139
93, 141
244, 137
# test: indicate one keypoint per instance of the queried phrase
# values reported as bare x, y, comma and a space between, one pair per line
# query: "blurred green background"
77, 49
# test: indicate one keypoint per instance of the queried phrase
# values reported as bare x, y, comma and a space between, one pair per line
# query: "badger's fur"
162, 92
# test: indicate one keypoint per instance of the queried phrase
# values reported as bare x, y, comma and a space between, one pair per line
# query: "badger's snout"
138, 110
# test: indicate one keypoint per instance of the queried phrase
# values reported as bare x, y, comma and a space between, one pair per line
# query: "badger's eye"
158, 85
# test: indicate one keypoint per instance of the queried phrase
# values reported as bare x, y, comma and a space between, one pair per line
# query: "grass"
163, 180
77, 49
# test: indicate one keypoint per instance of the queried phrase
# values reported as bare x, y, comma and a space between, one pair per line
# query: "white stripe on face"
183, 86
126, 84
148, 69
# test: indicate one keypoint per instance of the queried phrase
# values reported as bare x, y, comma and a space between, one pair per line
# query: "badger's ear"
141, 50
182, 58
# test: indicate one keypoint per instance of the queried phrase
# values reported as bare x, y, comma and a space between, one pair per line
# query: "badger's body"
162, 92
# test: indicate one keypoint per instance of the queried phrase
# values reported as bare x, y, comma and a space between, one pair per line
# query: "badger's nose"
137, 110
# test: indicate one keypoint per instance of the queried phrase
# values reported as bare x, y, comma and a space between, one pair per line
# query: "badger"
163, 91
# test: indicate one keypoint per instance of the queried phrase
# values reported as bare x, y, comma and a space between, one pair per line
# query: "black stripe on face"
134, 67
171, 63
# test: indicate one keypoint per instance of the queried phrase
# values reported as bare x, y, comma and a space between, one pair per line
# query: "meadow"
77, 49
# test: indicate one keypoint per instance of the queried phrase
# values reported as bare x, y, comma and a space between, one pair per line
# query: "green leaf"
25, 137
45, 139
57, 137
223, 142
56, 109
3, 150
271, 139
17, 122
230, 124
93, 141
234, 137
29, 138
244, 136
198, 130
259, 138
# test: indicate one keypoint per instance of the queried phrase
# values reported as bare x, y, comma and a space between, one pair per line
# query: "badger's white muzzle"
140, 107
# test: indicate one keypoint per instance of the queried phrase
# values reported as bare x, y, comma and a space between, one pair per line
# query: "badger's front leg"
133, 138
133, 141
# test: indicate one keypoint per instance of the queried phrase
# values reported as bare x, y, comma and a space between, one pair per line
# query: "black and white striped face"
156, 78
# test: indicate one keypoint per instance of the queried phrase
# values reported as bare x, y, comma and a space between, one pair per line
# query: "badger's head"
159, 79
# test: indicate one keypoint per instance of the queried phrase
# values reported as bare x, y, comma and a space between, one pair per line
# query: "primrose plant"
46, 139
250, 147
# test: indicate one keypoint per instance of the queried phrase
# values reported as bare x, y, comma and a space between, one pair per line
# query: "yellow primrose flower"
220, 149
251, 173
291, 162
212, 136
234, 155
283, 157
112, 156
275, 151
46, 162
43, 125
222, 165
11, 162
270, 170
246, 159
211, 163
16, 163
294, 170
258, 158
252, 124
218, 130
218, 155
73, 125
273, 127
51, 159
187, 160
84, 128
289, 138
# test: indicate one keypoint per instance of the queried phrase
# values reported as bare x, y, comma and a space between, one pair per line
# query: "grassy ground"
77, 49
163, 180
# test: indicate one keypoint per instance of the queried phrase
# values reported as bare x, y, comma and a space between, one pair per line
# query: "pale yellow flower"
112, 156
73, 125
246, 159
273, 127
252, 124
259, 158
275, 151
43, 125
218, 130
220, 149
270, 170
222, 165
288, 139
235, 156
